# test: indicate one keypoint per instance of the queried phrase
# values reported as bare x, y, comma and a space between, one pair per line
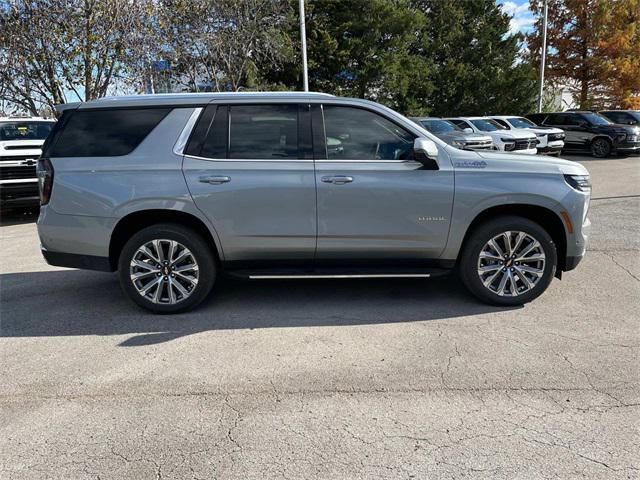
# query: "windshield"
520, 122
25, 130
439, 126
596, 119
487, 125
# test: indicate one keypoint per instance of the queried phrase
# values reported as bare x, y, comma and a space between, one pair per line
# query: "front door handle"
217, 180
337, 180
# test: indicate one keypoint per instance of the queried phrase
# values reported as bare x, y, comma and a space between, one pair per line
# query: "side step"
325, 273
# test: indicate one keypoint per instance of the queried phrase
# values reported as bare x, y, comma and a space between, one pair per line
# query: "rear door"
375, 202
249, 168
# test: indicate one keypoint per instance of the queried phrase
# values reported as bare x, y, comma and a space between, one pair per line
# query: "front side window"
358, 134
595, 119
555, 119
25, 130
263, 132
106, 132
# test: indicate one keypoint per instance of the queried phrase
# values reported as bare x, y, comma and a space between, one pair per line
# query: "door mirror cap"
467, 130
426, 152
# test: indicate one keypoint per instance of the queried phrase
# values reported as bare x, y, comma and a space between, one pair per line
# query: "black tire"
200, 250
469, 259
601, 148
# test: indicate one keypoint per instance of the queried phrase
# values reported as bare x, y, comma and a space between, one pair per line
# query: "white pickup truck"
21, 140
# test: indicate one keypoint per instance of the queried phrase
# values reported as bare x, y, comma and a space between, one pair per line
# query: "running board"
311, 276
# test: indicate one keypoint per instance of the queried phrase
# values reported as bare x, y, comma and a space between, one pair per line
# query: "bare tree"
221, 42
53, 51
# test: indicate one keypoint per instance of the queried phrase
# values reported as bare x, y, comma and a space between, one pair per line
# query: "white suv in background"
515, 140
550, 139
21, 141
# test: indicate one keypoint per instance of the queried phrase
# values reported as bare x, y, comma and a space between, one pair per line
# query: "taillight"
45, 179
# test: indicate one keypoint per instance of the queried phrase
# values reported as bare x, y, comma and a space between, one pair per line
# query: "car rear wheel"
601, 148
508, 261
167, 268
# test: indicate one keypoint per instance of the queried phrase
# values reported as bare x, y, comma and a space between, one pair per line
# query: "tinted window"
263, 131
439, 126
595, 119
519, 122
502, 122
461, 123
574, 120
106, 133
199, 133
618, 117
487, 125
215, 144
555, 119
357, 134
25, 130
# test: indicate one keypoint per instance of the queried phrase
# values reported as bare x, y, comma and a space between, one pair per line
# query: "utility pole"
543, 57
303, 39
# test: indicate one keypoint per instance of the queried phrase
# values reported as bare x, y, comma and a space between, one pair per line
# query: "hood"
450, 136
545, 130
532, 163
617, 128
515, 133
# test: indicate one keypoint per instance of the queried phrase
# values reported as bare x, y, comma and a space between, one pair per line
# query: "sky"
522, 17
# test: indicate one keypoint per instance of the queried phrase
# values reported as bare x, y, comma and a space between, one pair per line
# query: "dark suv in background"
590, 131
623, 117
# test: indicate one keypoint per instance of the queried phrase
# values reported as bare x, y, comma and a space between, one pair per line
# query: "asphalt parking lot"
318, 379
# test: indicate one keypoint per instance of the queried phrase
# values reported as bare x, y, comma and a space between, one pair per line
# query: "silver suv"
173, 190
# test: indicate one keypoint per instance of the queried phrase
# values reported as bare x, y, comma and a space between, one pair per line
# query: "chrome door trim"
181, 143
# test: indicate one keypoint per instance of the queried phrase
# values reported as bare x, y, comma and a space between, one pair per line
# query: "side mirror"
426, 152
467, 130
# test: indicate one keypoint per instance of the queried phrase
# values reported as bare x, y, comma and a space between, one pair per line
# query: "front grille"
17, 158
556, 136
478, 145
525, 144
13, 173
21, 147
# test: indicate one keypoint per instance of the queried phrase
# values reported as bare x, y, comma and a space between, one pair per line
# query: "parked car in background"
550, 139
515, 140
173, 190
591, 132
454, 135
622, 117
21, 140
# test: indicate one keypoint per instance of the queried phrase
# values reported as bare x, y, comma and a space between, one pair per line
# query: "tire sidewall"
187, 237
468, 265
600, 140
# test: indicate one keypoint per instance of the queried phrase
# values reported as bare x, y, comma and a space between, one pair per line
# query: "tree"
477, 69
218, 45
50, 50
593, 48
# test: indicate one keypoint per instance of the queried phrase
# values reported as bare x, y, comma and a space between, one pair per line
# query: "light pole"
303, 39
543, 56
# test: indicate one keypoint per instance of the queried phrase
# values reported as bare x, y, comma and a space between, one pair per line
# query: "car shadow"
18, 216
77, 302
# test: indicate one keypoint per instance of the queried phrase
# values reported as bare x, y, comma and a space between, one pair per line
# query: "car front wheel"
508, 261
601, 148
167, 268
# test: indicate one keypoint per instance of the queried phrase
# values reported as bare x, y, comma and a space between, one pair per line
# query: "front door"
375, 202
249, 171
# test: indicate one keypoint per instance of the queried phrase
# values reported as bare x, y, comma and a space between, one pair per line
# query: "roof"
176, 99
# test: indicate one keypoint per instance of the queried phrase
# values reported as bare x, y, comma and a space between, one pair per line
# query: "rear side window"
263, 131
555, 119
106, 133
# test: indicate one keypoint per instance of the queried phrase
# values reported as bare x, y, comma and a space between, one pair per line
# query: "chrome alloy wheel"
164, 271
511, 263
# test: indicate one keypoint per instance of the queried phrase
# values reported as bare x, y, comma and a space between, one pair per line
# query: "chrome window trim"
181, 143
296, 160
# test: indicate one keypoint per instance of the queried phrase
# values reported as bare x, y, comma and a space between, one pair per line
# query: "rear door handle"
216, 180
337, 180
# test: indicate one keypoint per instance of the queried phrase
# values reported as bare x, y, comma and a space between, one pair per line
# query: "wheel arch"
136, 221
543, 216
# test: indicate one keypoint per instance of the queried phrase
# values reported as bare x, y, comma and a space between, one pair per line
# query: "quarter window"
358, 134
106, 132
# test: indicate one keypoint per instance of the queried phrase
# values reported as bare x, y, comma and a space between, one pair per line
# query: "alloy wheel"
164, 271
511, 263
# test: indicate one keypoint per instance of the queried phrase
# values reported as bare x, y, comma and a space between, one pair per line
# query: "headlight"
578, 182
540, 135
458, 143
